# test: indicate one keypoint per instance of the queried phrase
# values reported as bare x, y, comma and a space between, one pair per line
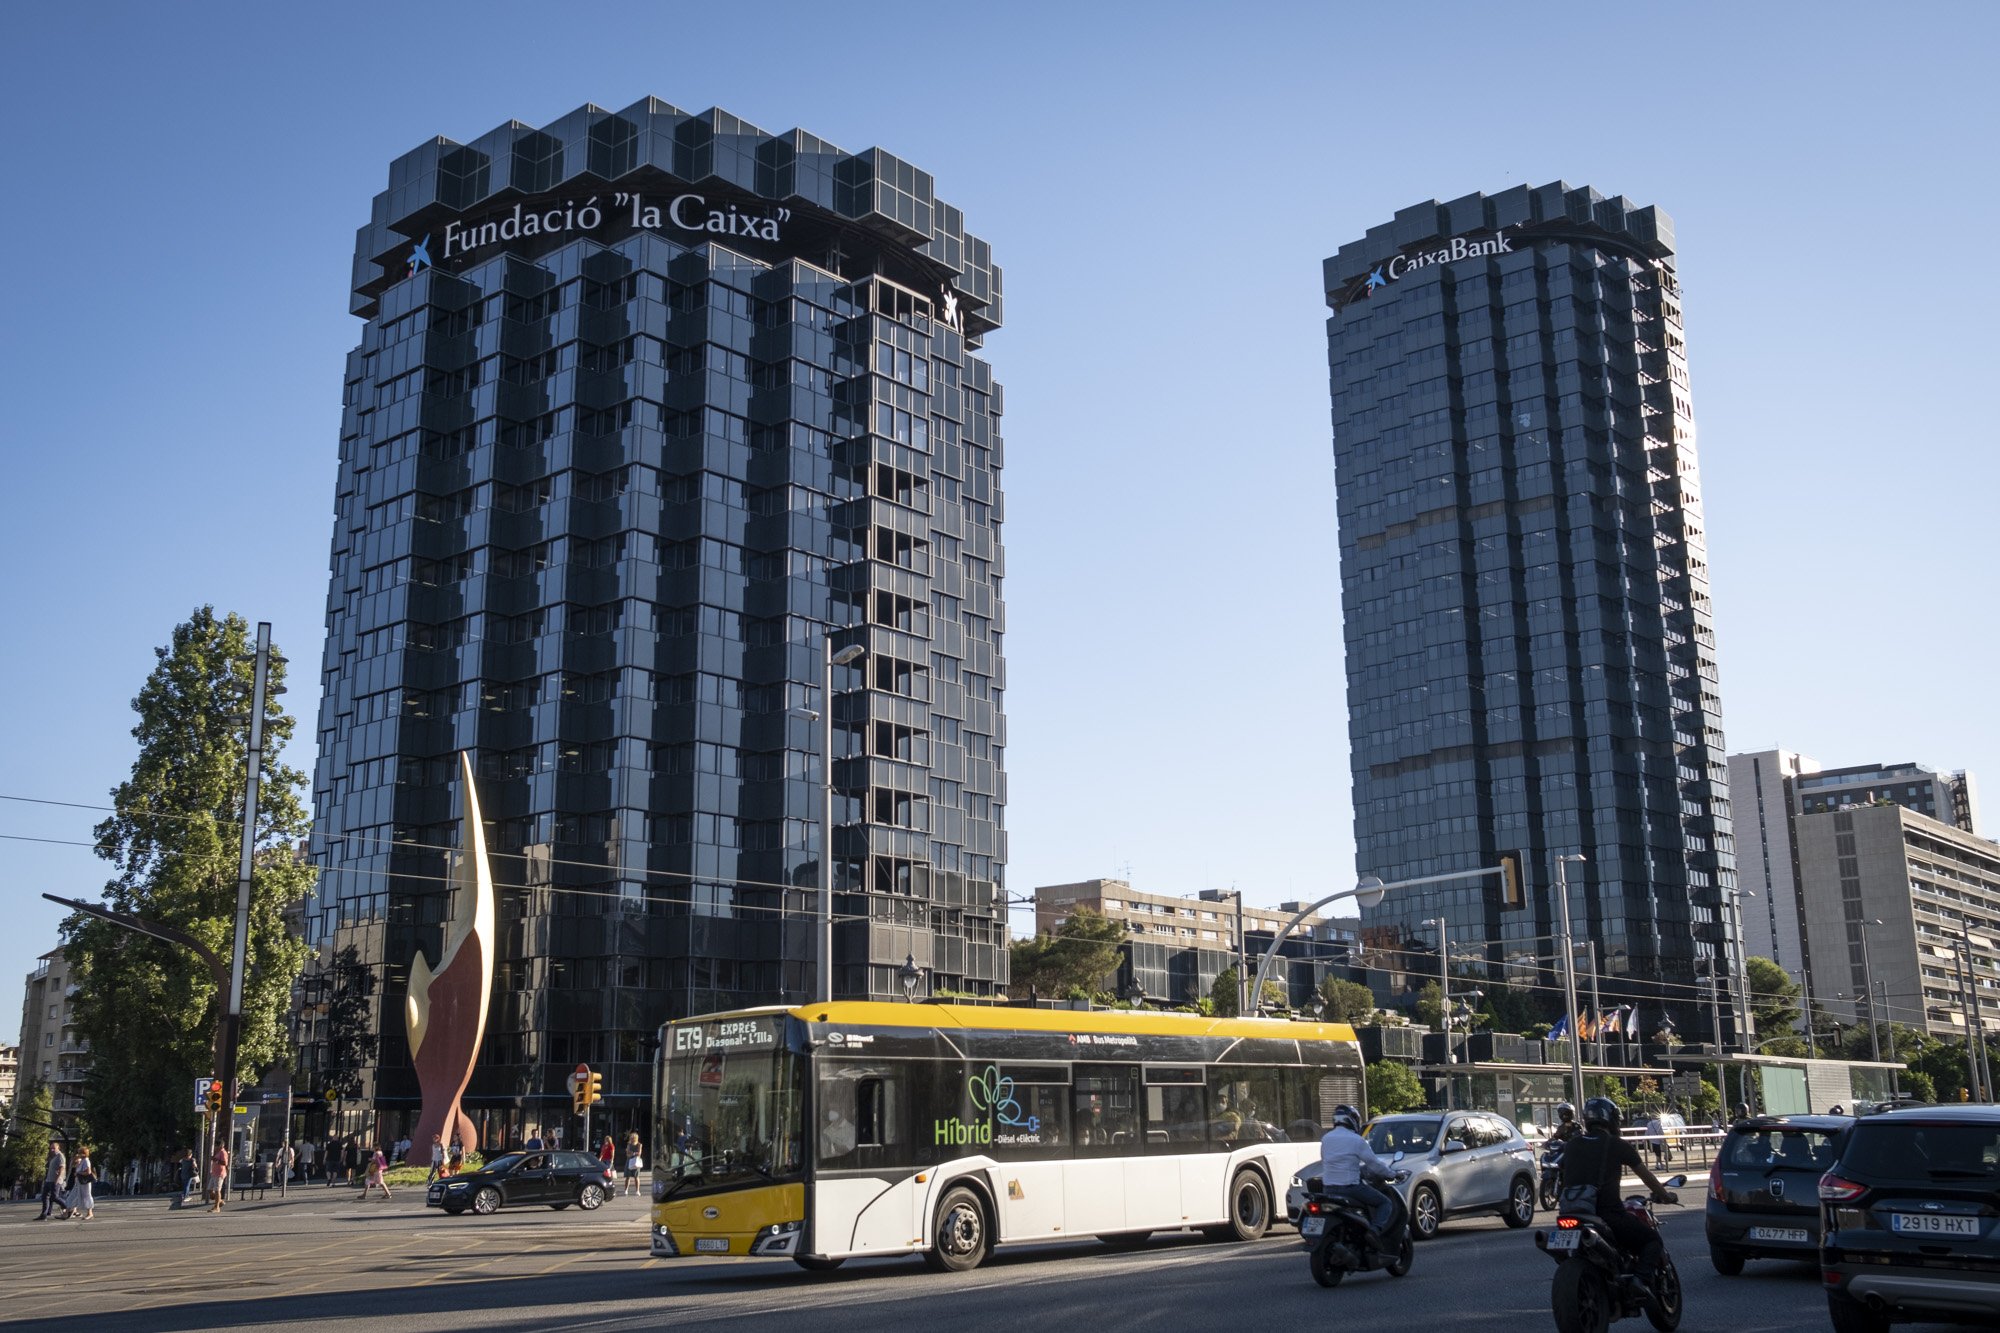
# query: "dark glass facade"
1530, 651
646, 405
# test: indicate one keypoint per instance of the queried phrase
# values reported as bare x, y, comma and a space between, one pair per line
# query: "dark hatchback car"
1763, 1191
1912, 1220
515, 1179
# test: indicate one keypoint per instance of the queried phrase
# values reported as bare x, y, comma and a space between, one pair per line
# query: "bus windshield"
733, 1110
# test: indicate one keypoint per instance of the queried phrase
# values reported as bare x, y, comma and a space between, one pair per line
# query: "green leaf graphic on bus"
991, 1092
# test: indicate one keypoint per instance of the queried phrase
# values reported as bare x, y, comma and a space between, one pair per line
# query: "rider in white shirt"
1348, 1166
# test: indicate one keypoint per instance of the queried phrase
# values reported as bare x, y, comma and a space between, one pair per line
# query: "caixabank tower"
653, 414
1524, 580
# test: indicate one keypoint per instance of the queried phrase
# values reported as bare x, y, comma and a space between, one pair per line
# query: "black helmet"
1743, 1110
1565, 1112
1346, 1117
1601, 1111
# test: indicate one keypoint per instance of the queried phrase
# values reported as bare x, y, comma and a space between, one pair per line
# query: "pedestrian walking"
535, 1141
457, 1154
306, 1154
635, 1162
437, 1158
284, 1167
607, 1153
218, 1177
378, 1164
332, 1161
53, 1168
132, 1175
82, 1190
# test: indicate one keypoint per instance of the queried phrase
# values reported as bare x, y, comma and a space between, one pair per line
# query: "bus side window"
1103, 1110
1176, 1114
871, 1114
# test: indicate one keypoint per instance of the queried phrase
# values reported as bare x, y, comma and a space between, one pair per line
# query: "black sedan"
513, 1179
1763, 1191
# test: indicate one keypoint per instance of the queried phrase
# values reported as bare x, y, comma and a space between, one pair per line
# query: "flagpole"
1596, 1007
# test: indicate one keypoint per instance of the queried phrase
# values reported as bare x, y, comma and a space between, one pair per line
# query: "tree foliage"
1774, 997
151, 1010
350, 1027
1346, 1001
1223, 993
1392, 1088
1079, 955
1429, 1007
28, 1145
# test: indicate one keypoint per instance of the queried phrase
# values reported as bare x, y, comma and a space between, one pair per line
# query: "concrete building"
1176, 947
1771, 789
1896, 897
52, 1051
10, 1074
1530, 647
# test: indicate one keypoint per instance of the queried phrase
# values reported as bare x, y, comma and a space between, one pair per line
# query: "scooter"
1596, 1283
1339, 1241
1552, 1156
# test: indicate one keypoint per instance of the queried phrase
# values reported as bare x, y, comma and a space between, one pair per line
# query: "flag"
1560, 1030
1586, 1026
1632, 1023
1609, 1028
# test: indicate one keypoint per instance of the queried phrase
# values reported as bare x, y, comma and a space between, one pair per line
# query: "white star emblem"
950, 308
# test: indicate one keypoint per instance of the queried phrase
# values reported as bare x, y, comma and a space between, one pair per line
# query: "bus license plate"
1313, 1226
711, 1244
1790, 1235
1562, 1240
1934, 1224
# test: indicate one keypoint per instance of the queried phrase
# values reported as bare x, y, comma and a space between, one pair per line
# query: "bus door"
1106, 1130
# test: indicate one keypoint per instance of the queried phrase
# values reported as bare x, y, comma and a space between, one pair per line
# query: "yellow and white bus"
831, 1131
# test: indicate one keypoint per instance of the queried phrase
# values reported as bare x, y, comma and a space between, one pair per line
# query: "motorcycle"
1596, 1282
1552, 1156
1339, 1241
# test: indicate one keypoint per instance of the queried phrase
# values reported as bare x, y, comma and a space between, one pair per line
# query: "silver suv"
1459, 1162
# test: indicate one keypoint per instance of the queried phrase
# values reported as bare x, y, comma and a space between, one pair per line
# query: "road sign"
576, 1080
1681, 1085
201, 1094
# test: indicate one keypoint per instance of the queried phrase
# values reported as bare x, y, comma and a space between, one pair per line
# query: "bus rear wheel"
960, 1240
1249, 1209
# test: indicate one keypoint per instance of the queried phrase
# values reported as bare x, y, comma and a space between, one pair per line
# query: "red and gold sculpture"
445, 1010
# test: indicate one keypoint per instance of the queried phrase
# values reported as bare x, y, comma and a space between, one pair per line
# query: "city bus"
827, 1132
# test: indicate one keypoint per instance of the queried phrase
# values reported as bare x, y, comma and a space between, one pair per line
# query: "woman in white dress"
80, 1196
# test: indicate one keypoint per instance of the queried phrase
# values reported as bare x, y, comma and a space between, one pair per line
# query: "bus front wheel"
1249, 1209
960, 1240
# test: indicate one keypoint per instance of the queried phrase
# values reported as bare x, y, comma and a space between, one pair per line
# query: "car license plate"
1313, 1226
1790, 1235
1562, 1240
711, 1244
1933, 1224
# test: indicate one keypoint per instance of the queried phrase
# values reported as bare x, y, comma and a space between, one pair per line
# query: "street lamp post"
1444, 998
1868, 989
1805, 979
831, 660
1569, 973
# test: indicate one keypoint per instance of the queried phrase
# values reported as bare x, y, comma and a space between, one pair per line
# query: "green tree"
350, 1027
1223, 992
1346, 1001
151, 1010
1079, 955
1707, 1100
1511, 1008
34, 1111
1429, 1007
1918, 1084
1392, 1088
1773, 995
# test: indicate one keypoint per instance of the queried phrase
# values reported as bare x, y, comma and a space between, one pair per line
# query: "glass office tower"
1530, 651
647, 405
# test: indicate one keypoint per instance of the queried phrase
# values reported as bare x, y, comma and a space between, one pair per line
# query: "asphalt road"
324, 1259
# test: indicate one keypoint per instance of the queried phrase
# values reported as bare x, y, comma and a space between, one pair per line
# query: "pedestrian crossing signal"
1513, 884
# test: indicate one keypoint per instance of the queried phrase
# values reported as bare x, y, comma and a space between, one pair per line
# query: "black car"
1911, 1217
557, 1179
1763, 1191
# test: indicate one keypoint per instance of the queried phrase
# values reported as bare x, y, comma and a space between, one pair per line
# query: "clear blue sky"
1160, 183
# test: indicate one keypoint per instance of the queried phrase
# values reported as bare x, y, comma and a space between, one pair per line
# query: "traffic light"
593, 1089
579, 1097
1513, 882
215, 1097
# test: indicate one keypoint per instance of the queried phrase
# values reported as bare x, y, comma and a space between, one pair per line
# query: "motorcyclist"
1600, 1158
1347, 1165
1566, 1126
